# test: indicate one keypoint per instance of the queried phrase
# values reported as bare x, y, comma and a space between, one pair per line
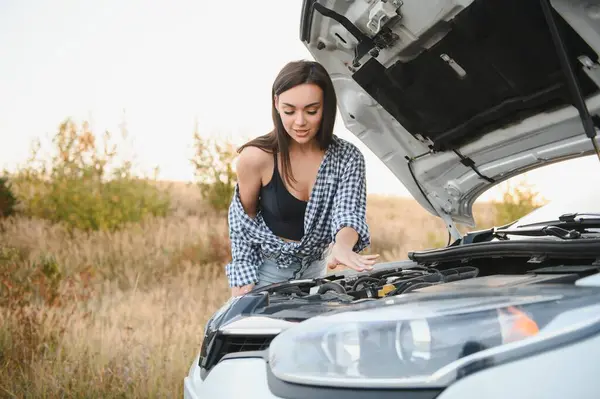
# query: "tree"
214, 170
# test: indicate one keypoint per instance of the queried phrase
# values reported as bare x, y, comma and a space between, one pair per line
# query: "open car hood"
455, 96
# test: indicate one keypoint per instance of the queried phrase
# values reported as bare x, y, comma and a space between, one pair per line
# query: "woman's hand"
239, 291
342, 254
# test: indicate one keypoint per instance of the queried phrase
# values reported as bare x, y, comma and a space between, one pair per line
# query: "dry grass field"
128, 308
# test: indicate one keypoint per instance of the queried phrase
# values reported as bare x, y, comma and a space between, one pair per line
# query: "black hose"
433, 278
331, 287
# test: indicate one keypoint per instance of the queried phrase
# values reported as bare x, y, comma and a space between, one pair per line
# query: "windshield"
586, 200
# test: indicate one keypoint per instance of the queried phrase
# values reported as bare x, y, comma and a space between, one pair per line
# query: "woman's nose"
300, 119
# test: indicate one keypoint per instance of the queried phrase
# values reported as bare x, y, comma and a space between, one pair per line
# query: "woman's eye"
288, 112
311, 112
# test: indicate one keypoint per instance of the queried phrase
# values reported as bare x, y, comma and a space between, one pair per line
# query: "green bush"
23, 282
77, 189
7, 198
517, 201
214, 171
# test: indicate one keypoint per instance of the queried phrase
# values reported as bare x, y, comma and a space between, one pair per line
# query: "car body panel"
548, 375
234, 378
443, 183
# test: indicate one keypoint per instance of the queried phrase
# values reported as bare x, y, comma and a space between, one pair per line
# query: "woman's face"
301, 111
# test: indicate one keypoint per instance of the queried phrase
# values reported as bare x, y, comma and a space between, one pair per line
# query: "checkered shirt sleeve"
246, 255
350, 200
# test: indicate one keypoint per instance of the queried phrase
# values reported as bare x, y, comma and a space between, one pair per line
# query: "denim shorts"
268, 273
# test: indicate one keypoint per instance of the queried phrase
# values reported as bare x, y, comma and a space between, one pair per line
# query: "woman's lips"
301, 133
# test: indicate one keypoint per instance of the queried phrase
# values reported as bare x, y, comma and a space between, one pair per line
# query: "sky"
160, 66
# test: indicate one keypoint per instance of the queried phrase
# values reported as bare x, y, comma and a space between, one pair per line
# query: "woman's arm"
350, 230
243, 270
250, 168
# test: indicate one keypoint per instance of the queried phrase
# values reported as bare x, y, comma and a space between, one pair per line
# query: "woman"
300, 188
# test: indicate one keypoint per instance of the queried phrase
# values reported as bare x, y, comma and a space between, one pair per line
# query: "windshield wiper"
548, 230
570, 217
502, 233
571, 220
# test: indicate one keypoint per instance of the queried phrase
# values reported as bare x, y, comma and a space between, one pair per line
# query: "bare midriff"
287, 239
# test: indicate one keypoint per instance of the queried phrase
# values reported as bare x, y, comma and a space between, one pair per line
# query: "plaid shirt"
338, 200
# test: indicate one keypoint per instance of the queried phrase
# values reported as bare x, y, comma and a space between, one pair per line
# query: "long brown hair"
277, 141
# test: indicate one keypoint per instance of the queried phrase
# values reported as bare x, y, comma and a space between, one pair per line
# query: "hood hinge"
450, 226
437, 207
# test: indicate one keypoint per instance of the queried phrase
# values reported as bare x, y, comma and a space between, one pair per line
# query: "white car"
454, 96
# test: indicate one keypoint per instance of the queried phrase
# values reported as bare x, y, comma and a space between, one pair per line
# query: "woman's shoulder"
255, 158
346, 150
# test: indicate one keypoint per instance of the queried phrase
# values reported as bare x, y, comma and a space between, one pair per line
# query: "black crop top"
282, 212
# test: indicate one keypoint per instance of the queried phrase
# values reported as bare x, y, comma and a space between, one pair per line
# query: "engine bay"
339, 289
299, 300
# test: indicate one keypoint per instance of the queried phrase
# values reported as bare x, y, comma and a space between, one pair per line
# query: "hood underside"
455, 96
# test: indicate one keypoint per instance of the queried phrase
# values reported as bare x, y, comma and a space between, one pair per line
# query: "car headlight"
426, 340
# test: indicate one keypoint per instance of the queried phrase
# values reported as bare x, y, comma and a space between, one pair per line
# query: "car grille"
227, 344
234, 344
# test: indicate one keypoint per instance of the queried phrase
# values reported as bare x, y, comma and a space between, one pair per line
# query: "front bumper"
234, 378
565, 372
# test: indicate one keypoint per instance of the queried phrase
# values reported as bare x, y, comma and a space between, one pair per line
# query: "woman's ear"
276, 102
